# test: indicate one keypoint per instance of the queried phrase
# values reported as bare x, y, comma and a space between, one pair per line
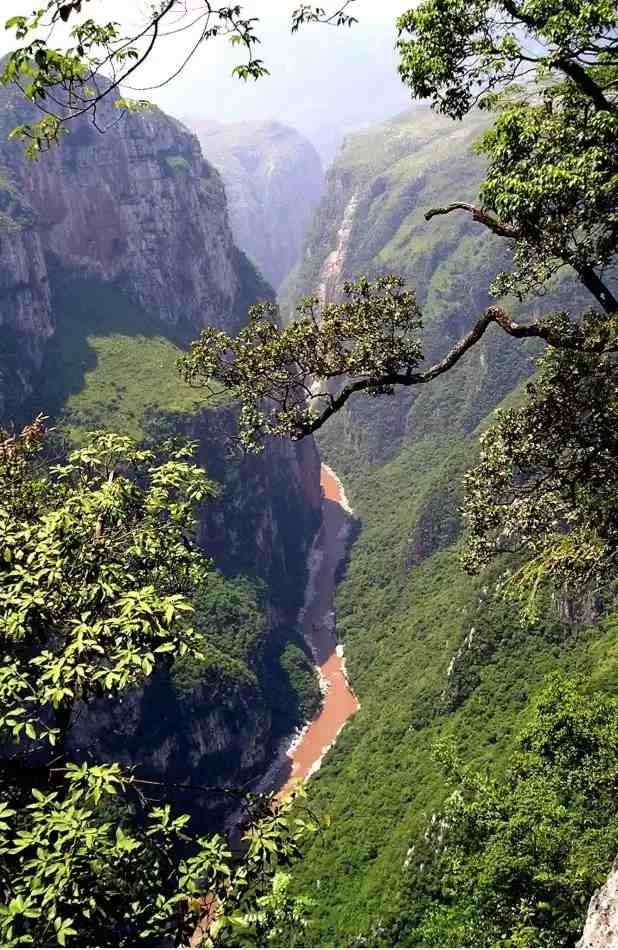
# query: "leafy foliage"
369, 336
74, 873
545, 480
98, 572
96, 564
456, 53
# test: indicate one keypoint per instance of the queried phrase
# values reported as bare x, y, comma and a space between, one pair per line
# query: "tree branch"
565, 62
585, 83
588, 276
478, 214
496, 315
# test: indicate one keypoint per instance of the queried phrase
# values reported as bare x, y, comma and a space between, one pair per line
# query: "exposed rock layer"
137, 205
601, 927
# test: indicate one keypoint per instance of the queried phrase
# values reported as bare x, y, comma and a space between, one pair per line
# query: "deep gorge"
115, 251
95, 318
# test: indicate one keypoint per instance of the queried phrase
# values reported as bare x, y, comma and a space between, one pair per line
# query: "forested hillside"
432, 653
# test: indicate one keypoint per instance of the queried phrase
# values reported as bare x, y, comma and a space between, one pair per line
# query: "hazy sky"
324, 81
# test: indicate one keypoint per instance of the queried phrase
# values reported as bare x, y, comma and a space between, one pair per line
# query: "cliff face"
138, 206
26, 321
371, 221
273, 181
115, 250
267, 509
601, 927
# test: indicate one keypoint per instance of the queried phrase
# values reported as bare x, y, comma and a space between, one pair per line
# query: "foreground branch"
587, 275
478, 214
495, 315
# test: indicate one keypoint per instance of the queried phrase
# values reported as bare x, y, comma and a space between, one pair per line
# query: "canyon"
115, 252
273, 181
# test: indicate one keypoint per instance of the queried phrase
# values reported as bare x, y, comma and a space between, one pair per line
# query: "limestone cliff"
601, 927
273, 181
25, 298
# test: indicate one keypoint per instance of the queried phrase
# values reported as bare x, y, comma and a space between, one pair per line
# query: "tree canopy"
98, 575
513, 861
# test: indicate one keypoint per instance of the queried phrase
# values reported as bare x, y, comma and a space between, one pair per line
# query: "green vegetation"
243, 654
513, 862
230, 617
97, 575
406, 612
434, 654
303, 683
177, 164
109, 364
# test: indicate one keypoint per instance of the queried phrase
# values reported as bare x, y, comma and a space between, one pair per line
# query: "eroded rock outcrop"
601, 927
138, 206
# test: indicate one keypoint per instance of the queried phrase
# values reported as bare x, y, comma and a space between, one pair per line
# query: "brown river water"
301, 755
339, 703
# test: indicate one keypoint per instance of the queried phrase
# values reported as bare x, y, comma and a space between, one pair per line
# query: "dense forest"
193, 327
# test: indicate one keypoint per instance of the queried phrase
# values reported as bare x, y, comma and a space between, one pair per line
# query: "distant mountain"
273, 180
323, 81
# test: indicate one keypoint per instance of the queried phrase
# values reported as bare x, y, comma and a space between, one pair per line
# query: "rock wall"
267, 510
137, 205
273, 180
26, 321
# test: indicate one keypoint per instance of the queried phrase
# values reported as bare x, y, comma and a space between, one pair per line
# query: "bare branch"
497, 315
478, 214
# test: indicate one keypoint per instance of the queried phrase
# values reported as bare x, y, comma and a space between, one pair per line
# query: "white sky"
325, 81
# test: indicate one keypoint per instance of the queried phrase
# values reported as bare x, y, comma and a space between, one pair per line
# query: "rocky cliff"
115, 249
138, 206
601, 927
371, 221
273, 181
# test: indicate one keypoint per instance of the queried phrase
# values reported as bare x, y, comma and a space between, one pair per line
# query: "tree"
97, 576
70, 80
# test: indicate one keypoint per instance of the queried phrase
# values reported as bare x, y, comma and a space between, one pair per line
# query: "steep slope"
116, 249
273, 181
430, 651
137, 205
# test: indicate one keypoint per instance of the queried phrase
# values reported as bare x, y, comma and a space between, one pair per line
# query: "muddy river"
304, 755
